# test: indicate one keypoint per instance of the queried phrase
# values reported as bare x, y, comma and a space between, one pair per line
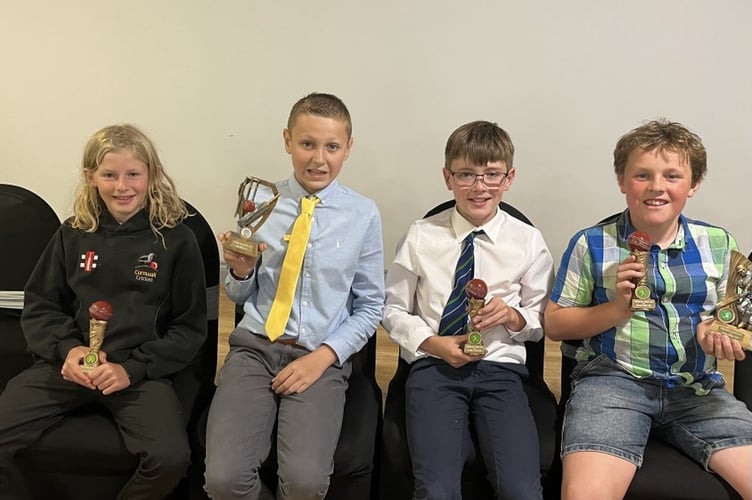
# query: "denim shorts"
611, 411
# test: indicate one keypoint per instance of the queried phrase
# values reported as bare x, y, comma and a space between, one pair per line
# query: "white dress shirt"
511, 257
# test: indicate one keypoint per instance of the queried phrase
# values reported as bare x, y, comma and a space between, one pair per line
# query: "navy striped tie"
454, 318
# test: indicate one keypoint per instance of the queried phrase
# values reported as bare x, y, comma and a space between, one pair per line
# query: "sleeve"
574, 284
535, 285
184, 328
366, 292
50, 304
405, 327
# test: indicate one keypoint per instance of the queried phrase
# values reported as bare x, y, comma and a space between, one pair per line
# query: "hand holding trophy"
476, 290
733, 315
639, 245
100, 313
251, 214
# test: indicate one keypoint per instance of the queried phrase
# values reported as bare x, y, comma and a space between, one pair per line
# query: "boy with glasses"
447, 390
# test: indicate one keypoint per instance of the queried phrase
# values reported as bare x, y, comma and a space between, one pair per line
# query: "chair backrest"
207, 242
535, 351
26, 225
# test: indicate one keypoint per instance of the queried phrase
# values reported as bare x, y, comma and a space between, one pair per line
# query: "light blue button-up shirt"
340, 293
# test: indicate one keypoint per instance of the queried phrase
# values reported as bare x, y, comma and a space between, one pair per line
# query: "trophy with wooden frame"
733, 315
476, 290
252, 211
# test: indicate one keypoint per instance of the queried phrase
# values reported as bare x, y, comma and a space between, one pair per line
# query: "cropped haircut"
324, 105
479, 143
164, 206
663, 136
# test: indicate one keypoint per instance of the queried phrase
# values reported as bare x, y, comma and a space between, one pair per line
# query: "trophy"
639, 245
733, 315
476, 291
100, 313
251, 214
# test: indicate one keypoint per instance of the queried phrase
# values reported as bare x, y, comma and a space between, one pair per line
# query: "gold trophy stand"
641, 300
474, 345
96, 337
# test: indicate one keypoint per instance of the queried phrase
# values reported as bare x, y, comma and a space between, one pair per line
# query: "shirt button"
310, 245
665, 300
305, 303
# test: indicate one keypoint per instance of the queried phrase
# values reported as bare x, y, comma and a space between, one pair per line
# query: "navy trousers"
443, 402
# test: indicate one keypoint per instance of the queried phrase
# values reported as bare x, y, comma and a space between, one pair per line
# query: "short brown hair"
479, 143
324, 105
664, 136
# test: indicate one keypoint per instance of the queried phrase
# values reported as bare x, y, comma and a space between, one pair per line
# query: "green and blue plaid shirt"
687, 280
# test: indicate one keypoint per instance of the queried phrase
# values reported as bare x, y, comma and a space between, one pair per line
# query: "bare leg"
734, 465
590, 475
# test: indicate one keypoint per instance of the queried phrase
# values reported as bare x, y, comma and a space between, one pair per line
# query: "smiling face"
657, 185
122, 181
477, 203
319, 147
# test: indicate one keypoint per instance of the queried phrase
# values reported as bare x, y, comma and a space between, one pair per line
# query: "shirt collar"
297, 191
624, 228
462, 227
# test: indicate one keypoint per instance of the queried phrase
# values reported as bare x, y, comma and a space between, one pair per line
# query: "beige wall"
212, 82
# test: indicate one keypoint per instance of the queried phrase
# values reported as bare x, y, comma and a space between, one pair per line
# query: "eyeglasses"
491, 179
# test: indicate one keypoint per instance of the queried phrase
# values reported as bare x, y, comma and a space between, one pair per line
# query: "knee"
227, 484
167, 461
522, 490
303, 480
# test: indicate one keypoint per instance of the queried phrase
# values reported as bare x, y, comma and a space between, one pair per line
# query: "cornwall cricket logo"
88, 261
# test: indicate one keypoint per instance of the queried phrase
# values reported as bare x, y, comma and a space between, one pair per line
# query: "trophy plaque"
639, 246
100, 313
476, 291
733, 315
252, 212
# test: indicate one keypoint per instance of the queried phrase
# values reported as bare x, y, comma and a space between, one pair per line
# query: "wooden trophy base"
474, 345
241, 245
741, 335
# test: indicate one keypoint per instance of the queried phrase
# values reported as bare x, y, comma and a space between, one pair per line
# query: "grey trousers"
242, 417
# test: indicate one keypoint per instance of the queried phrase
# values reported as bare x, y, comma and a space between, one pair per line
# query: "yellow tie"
288, 277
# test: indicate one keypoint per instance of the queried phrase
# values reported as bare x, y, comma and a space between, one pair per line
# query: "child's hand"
109, 377
240, 265
718, 345
303, 372
628, 273
497, 312
72, 370
448, 348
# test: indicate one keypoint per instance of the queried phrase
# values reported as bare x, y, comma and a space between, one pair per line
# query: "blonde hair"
165, 207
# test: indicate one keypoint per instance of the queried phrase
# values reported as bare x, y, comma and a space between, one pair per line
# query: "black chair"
27, 223
356, 460
666, 472
397, 482
84, 457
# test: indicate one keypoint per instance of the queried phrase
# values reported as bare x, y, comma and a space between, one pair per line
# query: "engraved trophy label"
733, 315
639, 246
476, 291
100, 313
252, 212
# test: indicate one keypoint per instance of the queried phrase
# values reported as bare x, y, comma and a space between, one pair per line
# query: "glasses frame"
504, 176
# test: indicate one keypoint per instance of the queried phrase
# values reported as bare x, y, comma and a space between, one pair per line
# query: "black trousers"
148, 414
